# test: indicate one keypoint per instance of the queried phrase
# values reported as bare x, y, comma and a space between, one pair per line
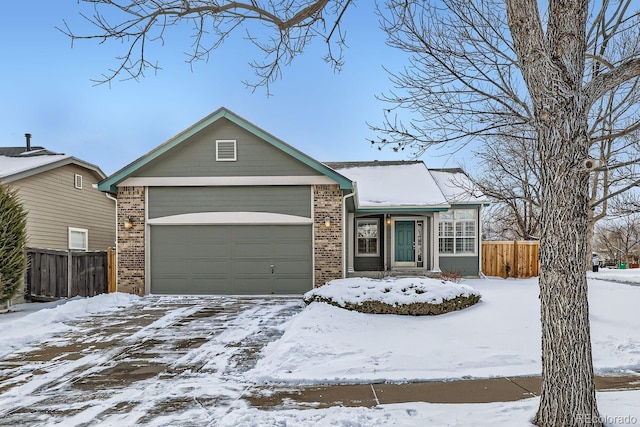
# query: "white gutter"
109, 196
345, 246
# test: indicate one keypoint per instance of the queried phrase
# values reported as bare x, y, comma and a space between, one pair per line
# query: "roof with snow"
18, 163
407, 185
457, 187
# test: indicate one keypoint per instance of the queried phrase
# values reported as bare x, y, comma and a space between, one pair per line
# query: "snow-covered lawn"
499, 336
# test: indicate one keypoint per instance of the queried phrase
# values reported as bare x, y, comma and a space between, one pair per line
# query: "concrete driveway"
175, 361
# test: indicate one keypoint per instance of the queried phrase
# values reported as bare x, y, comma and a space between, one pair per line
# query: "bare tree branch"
294, 25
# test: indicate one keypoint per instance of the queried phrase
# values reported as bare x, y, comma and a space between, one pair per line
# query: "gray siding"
196, 157
53, 204
466, 265
291, 200
205, 259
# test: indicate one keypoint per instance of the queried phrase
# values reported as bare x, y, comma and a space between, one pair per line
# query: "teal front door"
405, 241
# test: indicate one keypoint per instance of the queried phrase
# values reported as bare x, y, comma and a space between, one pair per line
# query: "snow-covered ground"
32, 322
628, 275
321, 344
499, 336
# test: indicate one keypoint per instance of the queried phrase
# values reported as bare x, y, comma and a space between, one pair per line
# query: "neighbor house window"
78, 239
457, 231
226, 150
368, 242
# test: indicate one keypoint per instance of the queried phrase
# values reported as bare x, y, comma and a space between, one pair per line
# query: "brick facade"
131, 241
327, 201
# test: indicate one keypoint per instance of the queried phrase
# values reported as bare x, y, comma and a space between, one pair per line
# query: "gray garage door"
231, 259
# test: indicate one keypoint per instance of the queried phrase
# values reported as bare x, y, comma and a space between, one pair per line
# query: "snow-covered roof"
397, 184
392, 184
14, 165
456, 186
18, 165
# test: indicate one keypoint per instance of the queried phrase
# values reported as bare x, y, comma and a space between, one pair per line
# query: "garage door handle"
273, 268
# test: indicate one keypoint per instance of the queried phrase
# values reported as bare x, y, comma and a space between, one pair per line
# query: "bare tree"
619, 238
510, 180
495, 68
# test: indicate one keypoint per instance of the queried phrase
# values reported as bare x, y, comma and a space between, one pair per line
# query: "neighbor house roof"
110, 184
18, 163
397, 185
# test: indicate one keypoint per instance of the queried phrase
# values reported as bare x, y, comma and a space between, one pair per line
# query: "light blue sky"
47, 90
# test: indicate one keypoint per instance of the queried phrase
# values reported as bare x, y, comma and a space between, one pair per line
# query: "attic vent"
226, 150
77, 181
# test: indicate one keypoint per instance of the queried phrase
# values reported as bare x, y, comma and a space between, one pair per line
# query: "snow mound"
408, 295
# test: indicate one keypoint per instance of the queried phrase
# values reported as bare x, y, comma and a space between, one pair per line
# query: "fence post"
515, 268
69, 273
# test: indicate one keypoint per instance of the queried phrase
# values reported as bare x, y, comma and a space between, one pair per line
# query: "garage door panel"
218, 259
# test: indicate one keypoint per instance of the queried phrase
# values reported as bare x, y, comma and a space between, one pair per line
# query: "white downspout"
345, 246
109, 196
480, 272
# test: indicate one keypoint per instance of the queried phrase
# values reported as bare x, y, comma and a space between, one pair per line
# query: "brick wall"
327, 201
131, 241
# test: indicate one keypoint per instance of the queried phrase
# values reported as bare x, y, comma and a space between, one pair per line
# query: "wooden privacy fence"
511, 259
48, 273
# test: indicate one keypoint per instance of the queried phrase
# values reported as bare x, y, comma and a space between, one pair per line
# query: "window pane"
367, 237
368, 229
446, 245
465, 214
77, 239
465, 245
367, 246
446, 215
446, 229
465, 228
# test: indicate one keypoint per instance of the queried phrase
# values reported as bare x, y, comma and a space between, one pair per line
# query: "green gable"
145, 164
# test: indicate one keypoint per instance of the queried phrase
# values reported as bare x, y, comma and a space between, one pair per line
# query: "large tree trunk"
568, 392
552, 63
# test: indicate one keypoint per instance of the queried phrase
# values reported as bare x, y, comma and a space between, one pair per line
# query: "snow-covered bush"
416, 296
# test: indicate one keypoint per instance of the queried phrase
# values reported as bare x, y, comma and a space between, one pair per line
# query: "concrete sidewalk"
459, 391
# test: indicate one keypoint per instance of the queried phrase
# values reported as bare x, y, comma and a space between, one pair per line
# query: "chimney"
28, 137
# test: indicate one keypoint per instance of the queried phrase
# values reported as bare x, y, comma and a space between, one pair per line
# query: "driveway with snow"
160, 361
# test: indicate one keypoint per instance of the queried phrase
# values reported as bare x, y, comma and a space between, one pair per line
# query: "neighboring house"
64, 209
226, 208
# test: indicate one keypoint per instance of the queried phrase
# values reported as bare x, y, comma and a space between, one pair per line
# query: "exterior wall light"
388, 219
128, 222
327, 221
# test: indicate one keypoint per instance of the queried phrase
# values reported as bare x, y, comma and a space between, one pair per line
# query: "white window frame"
77, 181
454, 229
84, 231
235, 150
371, 221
